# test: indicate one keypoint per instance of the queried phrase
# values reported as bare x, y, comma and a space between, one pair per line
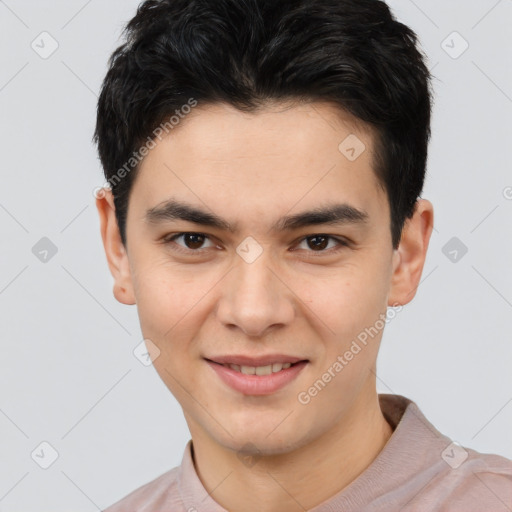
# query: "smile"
259, 370
257, 380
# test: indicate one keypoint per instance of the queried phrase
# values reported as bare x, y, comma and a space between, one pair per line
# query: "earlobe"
410, 256
115, 251
121, 295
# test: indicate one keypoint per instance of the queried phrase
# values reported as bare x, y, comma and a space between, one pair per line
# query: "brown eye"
190, 242
322, 244
193, 240
318, 242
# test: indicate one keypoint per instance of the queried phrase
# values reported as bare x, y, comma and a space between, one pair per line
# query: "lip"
243, 360
257, 384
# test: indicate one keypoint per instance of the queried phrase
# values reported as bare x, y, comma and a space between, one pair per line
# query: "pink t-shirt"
418, 470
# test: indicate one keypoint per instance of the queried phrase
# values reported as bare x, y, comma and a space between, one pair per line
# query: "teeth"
264, 370
259, 370
276, 367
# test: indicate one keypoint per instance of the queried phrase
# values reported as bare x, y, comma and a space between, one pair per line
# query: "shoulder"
428, 471
152, 495
471, 481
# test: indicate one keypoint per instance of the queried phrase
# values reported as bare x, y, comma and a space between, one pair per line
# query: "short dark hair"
248, 53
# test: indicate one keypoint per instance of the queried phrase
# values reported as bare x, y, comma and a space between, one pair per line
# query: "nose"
255, 299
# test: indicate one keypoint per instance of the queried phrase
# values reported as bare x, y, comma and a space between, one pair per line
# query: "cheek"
168, 307
157, 298
343, 302
172, 306
163, 293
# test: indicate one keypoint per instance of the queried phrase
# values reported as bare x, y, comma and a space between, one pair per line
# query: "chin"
254, 440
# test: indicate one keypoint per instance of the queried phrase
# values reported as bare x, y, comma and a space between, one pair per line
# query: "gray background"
67, 372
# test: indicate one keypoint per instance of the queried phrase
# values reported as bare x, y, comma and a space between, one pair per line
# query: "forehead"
284, 154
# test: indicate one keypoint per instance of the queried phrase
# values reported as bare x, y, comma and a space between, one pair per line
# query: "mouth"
262, 370
257, 378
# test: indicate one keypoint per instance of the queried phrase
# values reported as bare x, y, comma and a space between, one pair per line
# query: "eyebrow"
338, 214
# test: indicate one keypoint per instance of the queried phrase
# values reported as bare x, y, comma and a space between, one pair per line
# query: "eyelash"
178, 248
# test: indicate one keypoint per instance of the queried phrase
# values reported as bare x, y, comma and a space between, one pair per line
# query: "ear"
114, 249
409, 257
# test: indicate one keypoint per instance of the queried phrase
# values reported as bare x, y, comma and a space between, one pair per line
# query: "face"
255, 275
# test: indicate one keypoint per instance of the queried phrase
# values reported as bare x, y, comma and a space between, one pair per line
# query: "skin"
294, 299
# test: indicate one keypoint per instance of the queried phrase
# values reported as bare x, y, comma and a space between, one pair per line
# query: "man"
265, 161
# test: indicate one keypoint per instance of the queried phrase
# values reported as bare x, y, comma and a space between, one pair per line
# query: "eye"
320, 243
195, 243
192, 242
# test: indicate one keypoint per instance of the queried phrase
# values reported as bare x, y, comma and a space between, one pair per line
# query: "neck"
298, 480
